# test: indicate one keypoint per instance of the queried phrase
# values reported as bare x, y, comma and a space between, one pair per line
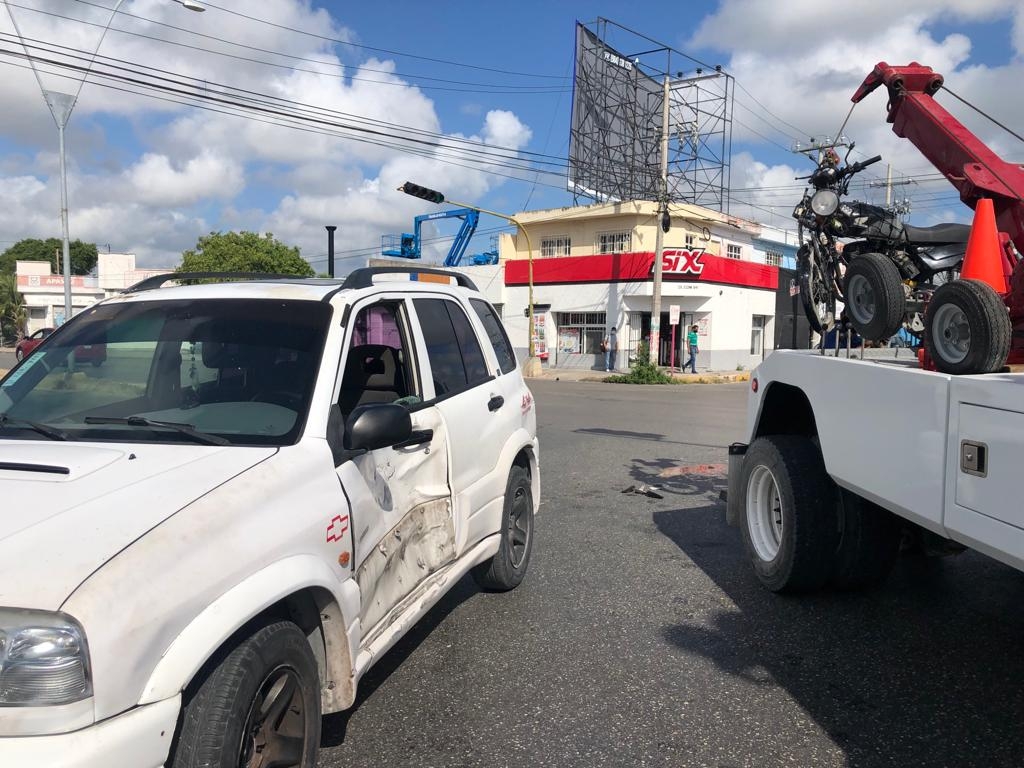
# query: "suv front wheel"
257, 706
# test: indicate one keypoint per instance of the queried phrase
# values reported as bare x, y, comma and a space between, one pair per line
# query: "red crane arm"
969, 165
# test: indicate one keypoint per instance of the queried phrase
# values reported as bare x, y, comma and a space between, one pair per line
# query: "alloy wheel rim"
951, 333
520, 526
764, 513
275, 729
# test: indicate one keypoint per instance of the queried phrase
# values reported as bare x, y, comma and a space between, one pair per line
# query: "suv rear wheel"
507, 568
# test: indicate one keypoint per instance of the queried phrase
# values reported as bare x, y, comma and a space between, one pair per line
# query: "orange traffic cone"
983, 260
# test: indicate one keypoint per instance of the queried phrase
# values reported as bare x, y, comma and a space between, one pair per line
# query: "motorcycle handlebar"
858, 167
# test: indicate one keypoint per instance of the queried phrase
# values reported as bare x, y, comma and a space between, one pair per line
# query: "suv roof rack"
157, 281
358, 278
363, 277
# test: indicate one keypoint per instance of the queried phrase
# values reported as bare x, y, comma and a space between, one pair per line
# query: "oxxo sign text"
681, 261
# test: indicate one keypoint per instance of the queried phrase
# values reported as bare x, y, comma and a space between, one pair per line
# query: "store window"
734, 251
757, 326
580, 332
561, 245
772, 257
614, 242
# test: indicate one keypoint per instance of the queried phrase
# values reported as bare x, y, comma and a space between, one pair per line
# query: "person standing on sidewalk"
691, 342
611, 346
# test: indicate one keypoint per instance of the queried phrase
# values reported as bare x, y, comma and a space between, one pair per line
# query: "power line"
380, 50
285, 108
325, 38
488, 169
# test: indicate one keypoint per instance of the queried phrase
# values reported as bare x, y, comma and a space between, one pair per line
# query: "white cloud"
155, 200
503, 129
156, 181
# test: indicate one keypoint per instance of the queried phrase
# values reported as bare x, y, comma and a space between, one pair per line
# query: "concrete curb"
710, 377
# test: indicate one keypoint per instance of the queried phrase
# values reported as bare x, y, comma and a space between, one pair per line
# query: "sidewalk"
587, 374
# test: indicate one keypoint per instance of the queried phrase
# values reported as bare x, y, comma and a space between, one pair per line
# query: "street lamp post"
533, 366
61, 105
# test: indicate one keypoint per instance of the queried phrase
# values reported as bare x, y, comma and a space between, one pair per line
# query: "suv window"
377, 366
240, 369
496, 333
456, 360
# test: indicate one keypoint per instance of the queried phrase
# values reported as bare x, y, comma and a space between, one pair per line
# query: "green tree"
83, 255
12, 309
244, 252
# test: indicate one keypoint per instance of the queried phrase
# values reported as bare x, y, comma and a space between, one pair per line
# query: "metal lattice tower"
616, 121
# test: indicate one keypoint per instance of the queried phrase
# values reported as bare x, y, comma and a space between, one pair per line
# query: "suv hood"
69, 507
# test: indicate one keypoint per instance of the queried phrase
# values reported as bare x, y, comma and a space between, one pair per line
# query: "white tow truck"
842, 450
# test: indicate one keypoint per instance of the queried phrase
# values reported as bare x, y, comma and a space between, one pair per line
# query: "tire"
221, 722
97, 363
869, 542
507, 568
967, 328
815, 295
874, 296
784, 480
19, 355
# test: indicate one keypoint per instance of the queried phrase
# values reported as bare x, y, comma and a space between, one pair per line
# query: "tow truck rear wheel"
791, 525
869, 542
967, 328
875, 299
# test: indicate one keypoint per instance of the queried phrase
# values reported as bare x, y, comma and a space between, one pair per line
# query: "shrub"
643, 371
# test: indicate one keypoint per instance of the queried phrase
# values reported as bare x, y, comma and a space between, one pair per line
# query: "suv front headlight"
44, 659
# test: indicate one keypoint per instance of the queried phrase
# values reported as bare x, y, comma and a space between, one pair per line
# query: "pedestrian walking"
691, 342
610, 346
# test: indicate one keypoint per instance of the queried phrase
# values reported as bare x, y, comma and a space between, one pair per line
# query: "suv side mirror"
370, 427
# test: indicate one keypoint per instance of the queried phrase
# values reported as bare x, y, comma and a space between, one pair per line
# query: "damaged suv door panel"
399, 495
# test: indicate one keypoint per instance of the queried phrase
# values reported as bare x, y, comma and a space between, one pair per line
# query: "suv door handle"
495, 403
416, 438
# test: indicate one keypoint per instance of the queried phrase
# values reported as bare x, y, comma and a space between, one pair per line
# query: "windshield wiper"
43, 429
142, 421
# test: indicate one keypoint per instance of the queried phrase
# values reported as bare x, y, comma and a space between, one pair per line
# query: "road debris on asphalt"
642, 489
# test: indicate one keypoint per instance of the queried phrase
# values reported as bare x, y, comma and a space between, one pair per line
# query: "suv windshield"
213, 370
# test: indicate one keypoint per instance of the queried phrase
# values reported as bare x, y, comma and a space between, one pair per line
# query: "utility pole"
663, 219
888, 185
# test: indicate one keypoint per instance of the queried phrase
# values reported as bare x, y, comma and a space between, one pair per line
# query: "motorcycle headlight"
44, 659
825, 202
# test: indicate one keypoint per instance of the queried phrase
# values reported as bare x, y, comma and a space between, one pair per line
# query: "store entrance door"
665, 357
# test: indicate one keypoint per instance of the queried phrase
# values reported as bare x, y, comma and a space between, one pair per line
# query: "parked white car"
208, 541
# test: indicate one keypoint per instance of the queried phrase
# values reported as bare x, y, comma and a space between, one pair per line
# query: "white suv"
207, 541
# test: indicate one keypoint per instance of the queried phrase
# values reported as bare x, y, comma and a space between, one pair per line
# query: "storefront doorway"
668, 353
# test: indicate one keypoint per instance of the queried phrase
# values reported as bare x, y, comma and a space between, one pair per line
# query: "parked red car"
90, 353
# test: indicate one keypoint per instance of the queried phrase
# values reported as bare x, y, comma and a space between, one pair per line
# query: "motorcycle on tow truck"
886, 273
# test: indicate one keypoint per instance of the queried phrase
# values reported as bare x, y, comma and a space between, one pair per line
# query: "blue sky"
151, 176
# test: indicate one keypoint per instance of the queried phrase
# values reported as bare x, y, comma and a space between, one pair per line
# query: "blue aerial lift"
408, 245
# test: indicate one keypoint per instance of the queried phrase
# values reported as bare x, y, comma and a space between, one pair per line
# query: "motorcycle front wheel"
816, 292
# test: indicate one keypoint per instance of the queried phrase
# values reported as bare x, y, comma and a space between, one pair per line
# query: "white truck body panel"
893, 433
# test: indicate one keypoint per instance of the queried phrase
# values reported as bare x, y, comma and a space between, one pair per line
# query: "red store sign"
678, 264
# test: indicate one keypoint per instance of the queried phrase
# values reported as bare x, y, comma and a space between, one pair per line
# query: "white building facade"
44, 291
592, 270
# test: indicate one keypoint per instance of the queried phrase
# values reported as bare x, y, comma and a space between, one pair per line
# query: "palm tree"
12, 308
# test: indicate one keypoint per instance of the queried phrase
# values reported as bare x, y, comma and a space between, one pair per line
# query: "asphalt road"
640, 636
7, 359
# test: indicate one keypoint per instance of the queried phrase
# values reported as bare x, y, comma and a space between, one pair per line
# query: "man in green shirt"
691, 342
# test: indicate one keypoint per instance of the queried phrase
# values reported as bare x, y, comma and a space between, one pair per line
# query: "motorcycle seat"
940, 233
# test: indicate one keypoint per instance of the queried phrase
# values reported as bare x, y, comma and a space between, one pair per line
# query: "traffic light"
422, 192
